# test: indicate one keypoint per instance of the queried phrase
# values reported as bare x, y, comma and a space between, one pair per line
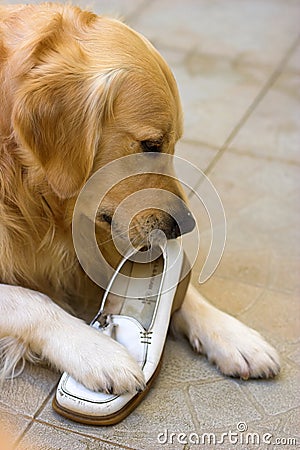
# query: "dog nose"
180, 225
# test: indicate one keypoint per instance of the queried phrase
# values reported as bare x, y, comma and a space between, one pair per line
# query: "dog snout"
173, 223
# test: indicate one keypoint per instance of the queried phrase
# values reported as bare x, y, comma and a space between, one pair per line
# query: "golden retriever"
78, 91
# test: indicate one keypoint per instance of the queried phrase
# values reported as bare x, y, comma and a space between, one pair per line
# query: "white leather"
147, 350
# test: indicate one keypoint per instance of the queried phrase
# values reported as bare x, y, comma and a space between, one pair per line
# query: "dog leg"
236, 349
31, 323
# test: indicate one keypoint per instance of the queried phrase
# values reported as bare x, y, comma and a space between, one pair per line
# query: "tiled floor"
238, 69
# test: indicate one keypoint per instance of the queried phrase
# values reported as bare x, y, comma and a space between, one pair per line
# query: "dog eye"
151, 146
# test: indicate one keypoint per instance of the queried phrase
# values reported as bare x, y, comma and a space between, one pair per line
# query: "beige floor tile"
266, 225
260, 202
44, 437
275, 314
257, 279
292, 354
196, 159
271, 424
241, 180
277, 397
290, 425
26, 393
247, 266
293, 65
221, 404
230, 295
284, 273
184, 367
215, 94
12, 426
220, 72
256, 267
252, 32
273, 130
163, 408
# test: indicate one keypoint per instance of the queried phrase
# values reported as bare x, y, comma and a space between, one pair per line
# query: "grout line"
209, 146
219, 57
81, 433
275, 159
270, 82
44, 403
190, 406
33, 418
262, 93
238, 151
13, 412
252, 399
17, 442
217, 378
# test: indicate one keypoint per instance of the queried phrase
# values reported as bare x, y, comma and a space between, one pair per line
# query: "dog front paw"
236, 349
98, 362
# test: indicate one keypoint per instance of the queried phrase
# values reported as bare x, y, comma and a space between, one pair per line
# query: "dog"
79, 91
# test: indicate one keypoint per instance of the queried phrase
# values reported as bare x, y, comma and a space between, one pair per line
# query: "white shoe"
141, 326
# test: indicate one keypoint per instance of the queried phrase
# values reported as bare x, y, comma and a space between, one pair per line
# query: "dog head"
88, 91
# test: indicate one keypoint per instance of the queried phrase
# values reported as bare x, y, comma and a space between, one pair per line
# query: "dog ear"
50, 125
58, 112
